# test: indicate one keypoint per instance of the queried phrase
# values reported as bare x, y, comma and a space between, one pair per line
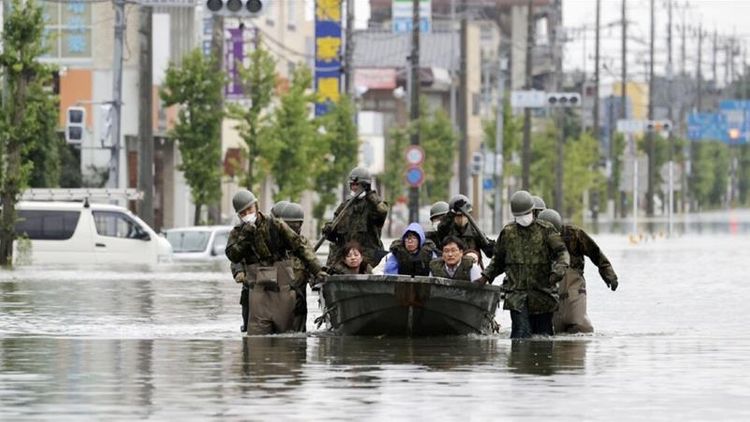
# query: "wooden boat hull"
408, 306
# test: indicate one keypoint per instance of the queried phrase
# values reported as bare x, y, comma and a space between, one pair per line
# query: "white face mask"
249, 218
525, 220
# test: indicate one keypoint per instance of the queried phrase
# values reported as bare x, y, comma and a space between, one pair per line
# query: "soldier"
410, 255
539, 205
438, 210
571, 316
362, 218
533, 257
293, 215
264, 244
453, 264
457, 224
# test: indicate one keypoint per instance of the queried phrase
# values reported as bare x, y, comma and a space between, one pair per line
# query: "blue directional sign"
707, 127
488, 184
415, 176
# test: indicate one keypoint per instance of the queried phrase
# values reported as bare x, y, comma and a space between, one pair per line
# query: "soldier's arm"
497, 264
235, 249
444, 227
486, 244
592, 250
299, 247
561, 260
378, 208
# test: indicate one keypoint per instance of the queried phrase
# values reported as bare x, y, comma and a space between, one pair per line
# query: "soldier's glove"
248, 228
239, 277
482, 280
373, 197
318, 280
612, 284
554, 279
458, 205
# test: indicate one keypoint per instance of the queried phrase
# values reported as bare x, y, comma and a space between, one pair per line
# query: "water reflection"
272, 363
547, 356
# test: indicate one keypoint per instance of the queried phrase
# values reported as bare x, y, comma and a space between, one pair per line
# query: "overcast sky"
728, 17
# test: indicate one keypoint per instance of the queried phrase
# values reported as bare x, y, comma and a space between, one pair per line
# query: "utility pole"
670, 116
713, 64
349, 50
497, 220
453, 69
145, 116
526, 152
699, 71
217, 53
114, 164
463, 148
596, 70
623, 83
650, 134
683, 55
557, 57
414, 106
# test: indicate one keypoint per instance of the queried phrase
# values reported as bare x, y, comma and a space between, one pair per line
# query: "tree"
439, 143
259, 80
512, 138
339, 139
581, 173
197, 87
25, 110
293, 144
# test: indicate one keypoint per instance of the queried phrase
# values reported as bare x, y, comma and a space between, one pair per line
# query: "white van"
199, 243
83, 233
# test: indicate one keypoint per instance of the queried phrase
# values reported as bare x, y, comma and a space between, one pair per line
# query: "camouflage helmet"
292, 212
539, 203
360, 175
243, 200
277, 209
439, 209
551, 216
521, 203
459, 198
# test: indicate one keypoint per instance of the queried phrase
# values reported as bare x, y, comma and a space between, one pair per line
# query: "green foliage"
339, 139
259, 79
543, 160
197, 88
580, 173
512, 139
710, 176
395, 164
293, 145
439, 143
25, 120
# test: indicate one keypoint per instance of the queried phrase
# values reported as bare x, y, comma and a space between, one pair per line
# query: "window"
115, 224
291, 15
271, 13
221, 239
188, 241
47, 225
68, 29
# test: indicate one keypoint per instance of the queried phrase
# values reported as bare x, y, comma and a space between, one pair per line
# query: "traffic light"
563, 99
658, 126
74, 125
236, 8
477, 161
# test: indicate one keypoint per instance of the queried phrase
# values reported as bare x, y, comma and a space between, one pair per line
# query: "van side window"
115, 224
220, 239
47, 224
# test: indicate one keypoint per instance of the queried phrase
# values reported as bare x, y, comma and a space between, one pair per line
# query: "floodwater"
672, 343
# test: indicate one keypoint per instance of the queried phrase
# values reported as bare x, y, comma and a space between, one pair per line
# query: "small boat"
400, 305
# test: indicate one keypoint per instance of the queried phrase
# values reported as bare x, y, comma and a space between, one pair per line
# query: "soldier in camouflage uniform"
533, 257
362, 220
265, 245
438, 211
539, 205
293, 215
571, 316
457, 224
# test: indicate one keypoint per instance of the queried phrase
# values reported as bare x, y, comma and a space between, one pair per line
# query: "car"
72, 232
199, 243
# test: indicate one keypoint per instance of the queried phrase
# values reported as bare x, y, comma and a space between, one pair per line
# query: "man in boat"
293, 215
457, 224
453, 264
438, 211
265, 245
571, 316
410, 255
360, 218
534, 259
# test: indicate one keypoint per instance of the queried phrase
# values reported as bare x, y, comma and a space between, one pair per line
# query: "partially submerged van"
88, 233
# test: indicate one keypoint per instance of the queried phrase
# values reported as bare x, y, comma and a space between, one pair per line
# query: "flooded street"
122, 343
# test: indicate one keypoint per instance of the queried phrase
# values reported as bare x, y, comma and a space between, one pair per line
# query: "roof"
386, 49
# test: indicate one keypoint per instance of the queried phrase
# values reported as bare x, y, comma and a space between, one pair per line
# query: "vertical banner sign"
235, 55
327, 53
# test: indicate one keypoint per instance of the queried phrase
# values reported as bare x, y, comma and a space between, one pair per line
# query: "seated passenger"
453, 263
351, 261
411, 255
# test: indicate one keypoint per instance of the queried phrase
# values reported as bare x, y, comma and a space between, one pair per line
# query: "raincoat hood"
416, 228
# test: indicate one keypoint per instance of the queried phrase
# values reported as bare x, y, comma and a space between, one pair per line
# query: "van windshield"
188, 241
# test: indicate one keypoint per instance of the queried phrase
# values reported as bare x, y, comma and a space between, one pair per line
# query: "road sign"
401, 13
630, 126
488, 184
415, 176
528, 99
414, 155
707, 126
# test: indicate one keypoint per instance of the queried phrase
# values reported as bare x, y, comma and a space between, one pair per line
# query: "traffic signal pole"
114, 164
414, 106
145, 117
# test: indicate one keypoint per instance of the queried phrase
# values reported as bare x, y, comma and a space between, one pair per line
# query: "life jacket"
463, 271
413, 264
